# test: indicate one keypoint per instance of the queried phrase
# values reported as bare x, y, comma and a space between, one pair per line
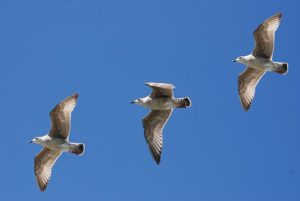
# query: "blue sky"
106, 51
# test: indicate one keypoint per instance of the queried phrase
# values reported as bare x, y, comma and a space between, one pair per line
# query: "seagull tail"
282, 68
76, 148
183, 102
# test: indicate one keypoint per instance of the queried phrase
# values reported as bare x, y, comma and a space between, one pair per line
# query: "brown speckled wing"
43, 163
247, 83
264, 37
153, 125
61, 117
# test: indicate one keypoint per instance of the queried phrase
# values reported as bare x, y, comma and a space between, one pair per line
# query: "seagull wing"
161, 90
61, 117
43, 163
153, 125
264, 37
247, 83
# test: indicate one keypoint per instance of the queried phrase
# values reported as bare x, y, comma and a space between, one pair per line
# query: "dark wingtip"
246, 107
76, 95
156, 156
278, 14
43, 187
157, 160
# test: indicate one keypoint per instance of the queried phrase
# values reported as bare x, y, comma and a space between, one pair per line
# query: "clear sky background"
106, 51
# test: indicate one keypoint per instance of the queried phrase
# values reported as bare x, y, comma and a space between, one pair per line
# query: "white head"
244, 59
140, 101
239, 59
36, 140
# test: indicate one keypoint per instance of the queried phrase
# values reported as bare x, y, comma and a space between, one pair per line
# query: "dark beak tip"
233, 60
132, 102
30, 141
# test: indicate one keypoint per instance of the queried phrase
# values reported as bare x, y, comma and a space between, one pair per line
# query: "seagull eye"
36, 138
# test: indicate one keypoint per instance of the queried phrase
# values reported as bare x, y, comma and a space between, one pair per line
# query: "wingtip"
43, 187
156, 156
246, 107
279, 14
76, 95
276, 16
157, 160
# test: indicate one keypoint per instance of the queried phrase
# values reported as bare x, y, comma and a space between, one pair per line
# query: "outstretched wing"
247, 83
153, 125
264, 37
161, 90
61, 117
43, 163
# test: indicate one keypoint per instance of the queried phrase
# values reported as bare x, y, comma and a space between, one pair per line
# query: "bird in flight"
56, 141
161, 102
260, 60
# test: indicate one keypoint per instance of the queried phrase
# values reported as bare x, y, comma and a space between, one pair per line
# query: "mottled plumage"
56, 141
260, 60
161, 102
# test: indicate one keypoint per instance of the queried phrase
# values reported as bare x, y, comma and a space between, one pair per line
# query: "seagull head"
35, 140
137, 101
140, 101
241, 59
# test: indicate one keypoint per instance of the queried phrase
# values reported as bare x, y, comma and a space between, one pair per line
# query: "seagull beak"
132, 102
30, 141
234, 60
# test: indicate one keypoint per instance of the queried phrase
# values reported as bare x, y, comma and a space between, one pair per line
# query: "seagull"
161, 102
260, 60
56, 141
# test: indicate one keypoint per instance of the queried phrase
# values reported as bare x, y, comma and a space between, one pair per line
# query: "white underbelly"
56, 145
262, 65
161, 104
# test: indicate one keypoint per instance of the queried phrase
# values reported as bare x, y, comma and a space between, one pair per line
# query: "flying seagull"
161, 102
260, 60
56, 141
